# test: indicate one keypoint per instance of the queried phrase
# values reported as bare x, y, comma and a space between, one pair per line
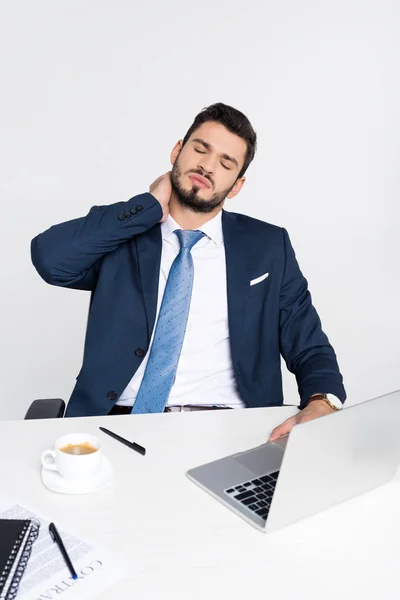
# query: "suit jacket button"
133, 211
140, 352
121, 217
111, 396
139, 208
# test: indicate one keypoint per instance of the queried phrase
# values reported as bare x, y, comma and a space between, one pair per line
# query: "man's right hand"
161, 189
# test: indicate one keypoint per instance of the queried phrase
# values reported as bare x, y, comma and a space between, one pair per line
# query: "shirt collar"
212, 229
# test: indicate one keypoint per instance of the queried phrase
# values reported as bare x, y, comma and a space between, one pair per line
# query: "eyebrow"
209, 147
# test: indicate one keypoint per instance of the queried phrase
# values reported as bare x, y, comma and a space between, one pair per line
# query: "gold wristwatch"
325, 398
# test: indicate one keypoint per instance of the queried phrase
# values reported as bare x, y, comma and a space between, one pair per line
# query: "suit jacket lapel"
237, 274
149, 245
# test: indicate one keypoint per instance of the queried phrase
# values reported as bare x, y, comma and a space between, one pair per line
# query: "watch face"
335, 401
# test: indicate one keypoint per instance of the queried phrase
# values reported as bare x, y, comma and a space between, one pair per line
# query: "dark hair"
235, 121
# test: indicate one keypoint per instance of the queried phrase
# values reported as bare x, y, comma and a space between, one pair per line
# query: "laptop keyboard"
255, 494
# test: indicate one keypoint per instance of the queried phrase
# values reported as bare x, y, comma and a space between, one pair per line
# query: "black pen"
132, 445
56, 538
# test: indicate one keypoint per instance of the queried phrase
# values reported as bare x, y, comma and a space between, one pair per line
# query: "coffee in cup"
83, 448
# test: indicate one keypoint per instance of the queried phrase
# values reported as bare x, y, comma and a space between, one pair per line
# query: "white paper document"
47, 577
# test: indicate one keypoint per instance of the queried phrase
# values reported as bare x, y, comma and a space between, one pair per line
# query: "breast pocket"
258, 286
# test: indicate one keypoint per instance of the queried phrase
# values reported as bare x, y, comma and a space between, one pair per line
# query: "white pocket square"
259, 279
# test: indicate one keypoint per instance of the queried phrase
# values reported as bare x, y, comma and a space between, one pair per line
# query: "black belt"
126, 410
194, 407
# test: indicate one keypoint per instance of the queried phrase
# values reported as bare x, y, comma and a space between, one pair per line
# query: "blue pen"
57, 539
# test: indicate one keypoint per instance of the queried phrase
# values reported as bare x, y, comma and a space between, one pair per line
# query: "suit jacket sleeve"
69, 254
304, 346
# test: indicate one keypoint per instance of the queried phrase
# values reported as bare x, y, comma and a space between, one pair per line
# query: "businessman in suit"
191, 306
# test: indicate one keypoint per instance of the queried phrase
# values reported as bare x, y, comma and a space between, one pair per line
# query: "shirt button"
121, 217
111, 396
139, 208
140, 352
133, 211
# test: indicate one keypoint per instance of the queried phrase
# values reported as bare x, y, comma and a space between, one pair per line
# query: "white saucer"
56, 482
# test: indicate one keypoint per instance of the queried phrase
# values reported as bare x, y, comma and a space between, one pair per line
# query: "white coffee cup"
73, 466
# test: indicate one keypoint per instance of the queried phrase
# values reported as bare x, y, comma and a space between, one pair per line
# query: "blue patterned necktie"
170, 330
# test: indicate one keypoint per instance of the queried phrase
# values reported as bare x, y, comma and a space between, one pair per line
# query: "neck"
186, 218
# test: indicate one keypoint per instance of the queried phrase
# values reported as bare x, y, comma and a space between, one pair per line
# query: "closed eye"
204, 152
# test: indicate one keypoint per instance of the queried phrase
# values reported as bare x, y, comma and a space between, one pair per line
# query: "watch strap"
323, 397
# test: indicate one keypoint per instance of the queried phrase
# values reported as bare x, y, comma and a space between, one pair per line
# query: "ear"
237, 187
175, 151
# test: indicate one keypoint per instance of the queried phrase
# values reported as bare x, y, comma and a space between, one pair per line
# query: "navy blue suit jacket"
115, 251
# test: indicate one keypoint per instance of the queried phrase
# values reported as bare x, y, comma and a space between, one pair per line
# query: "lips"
199, 180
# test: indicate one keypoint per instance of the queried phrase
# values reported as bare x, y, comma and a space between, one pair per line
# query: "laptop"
319, 464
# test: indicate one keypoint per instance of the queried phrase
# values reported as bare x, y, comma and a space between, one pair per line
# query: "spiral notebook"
16, 540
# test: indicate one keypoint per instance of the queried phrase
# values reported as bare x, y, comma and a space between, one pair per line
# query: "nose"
207, 164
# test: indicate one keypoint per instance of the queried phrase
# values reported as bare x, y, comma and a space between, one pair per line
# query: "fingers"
283, 429
157, 181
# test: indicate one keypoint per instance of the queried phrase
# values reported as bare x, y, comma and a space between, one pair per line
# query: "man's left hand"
315, 409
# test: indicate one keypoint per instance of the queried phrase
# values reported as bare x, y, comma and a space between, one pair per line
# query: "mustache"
198, 172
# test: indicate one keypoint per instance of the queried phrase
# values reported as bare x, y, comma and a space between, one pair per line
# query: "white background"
95, 93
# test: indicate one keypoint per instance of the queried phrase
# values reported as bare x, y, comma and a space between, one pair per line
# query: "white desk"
181, 543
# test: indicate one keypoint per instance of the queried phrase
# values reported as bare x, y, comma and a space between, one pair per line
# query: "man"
191, 306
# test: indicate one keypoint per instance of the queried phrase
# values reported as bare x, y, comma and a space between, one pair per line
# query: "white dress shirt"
204, 375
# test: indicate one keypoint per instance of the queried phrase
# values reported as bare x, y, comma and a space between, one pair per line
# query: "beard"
191, 198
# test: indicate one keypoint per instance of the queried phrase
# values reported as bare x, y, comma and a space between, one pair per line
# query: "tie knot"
188, 238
